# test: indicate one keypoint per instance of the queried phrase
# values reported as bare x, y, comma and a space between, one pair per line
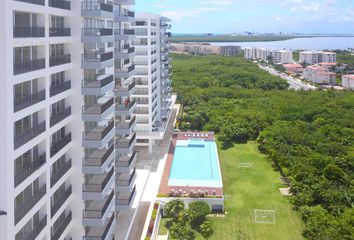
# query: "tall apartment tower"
152, 63
40, 104
67, 140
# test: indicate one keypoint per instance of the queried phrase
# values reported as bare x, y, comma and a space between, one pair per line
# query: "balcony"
97, 60
124, 15
101, 233
59, 32
126, 109
124, 2
125, 200
98, 186
96, 9
59, 173
29, 66
98, 111
55, 119
57, 146
29, 100
99, 161
124, 53
64, 224
59, 60
97, 35
99, 136
23, 209
126, 145
125, 72
29, 134
60, 201
124, 34
126, 91
56, 89
62, 4
27, 171
28, 32
37, 2
100, 86
125, 127
37, 229
125, 163
125, 181
97, 212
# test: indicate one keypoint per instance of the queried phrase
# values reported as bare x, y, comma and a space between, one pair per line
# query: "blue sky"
228, 16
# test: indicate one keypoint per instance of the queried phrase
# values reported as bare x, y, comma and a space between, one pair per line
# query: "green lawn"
249, 189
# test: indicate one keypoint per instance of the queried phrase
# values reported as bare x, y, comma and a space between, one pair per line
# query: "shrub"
200, 211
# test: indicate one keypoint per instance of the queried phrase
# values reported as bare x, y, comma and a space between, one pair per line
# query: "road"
294, 83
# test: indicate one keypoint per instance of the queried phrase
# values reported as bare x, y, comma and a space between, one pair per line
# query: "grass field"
247, 189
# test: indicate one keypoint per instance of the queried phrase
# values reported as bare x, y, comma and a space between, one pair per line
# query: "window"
57, 50
57, 79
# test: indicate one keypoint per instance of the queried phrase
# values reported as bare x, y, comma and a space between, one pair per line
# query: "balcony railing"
98, 83
126, 124
23, 209
98, 108
28, 32
99, 212
30, 100
60, 4
126, 143
56, 89
125, 200
56, 175
98, 158
37, 2
98, 187
124, 181
126, 13
54, 119
59, 32
98, 236
29, 135
97, 31
99, 133
124, 32
28, 66
29, 170
60, 201
93, 6
97, 57
124, 162
126, 107
59, 60
57, 146
64, 224
37, 229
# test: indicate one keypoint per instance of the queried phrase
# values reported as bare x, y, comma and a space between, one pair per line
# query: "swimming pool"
195, 163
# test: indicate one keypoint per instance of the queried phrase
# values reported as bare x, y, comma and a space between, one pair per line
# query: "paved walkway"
154, 164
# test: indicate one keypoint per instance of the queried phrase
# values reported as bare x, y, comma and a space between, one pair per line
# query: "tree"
200, 211
178, 231
186, 216
174, 208
206, 229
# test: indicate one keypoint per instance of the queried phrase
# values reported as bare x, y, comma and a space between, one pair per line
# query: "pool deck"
164, 187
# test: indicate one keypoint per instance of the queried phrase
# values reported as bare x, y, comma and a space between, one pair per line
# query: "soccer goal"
264, 216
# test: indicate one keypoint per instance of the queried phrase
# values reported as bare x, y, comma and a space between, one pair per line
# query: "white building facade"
348, 81
277, 56
153, 91
68, 146
314, 57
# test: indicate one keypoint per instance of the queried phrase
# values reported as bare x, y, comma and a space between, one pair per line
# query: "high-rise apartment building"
277, 56
314, 57
152, 78
68, 137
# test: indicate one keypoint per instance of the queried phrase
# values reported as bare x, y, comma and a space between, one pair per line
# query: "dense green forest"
308, 136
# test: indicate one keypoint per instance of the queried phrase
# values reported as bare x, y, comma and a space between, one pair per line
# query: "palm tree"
186, 216
174, 208
206, 229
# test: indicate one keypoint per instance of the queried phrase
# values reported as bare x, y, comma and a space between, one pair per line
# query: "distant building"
200, 49
319, 75
230, 50
278, 56
348, 81
293, 68
314, 57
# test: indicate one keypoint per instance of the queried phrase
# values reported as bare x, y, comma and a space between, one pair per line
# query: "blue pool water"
195, 163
